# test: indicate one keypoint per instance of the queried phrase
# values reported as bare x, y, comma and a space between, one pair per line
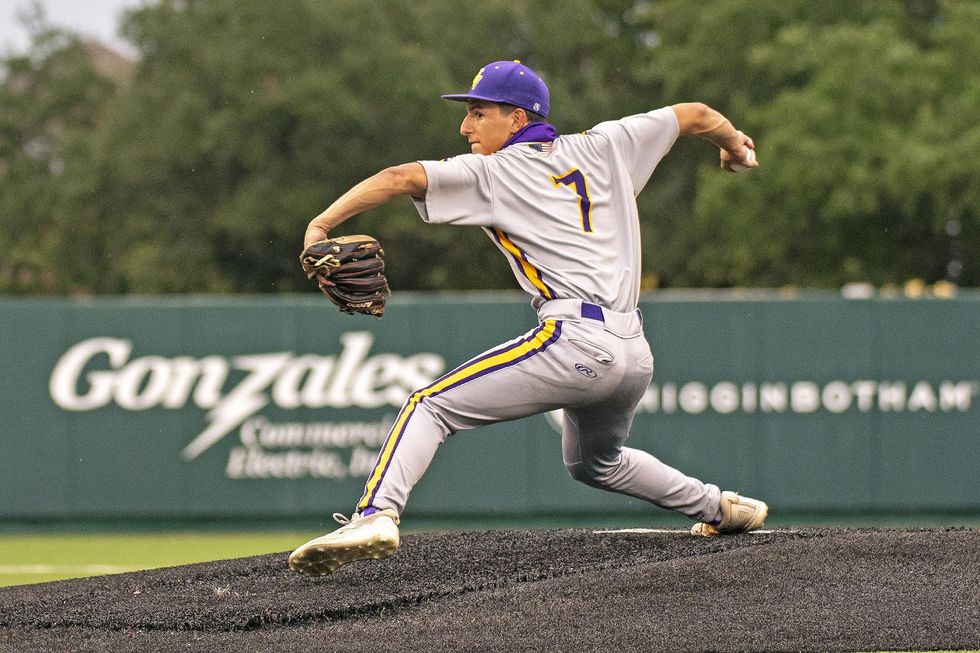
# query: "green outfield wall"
198, 407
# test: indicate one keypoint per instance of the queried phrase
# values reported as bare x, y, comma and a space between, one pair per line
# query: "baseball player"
562, 210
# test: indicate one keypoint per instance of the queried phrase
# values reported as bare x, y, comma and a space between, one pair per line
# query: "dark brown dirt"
536, 590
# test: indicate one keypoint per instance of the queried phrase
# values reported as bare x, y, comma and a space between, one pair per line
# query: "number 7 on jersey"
576, 180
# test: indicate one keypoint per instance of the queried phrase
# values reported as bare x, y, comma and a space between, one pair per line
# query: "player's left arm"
698, 119
405, 179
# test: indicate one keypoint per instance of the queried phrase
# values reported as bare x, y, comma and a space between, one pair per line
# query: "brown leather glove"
349, 270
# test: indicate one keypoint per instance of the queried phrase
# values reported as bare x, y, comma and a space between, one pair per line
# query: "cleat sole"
324, 560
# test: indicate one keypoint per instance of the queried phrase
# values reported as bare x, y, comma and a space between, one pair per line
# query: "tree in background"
197, 171
51, 102
247, 118
865, 115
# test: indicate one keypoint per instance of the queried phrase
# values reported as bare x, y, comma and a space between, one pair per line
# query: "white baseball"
738, 167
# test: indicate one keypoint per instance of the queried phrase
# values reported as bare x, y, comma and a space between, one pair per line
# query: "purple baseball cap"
508, 82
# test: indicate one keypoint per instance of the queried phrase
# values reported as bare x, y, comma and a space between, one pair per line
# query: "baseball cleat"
370, 537
738, 515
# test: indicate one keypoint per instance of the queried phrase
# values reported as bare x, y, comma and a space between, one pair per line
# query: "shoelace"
343, 519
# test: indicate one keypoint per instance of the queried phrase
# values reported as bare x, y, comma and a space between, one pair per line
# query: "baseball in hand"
738, 167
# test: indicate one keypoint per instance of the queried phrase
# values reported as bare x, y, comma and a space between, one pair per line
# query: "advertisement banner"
196, 407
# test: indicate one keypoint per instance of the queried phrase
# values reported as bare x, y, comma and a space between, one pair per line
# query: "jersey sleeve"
458, 192
642, 141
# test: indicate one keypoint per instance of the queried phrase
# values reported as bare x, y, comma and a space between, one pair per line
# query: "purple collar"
535, 132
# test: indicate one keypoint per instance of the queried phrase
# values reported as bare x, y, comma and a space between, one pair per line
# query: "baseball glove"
350, 271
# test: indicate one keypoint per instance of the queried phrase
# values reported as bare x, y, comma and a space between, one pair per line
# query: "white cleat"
738, 515
360, 538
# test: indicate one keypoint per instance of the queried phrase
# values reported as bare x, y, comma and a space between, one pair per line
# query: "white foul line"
87, 570
675, 531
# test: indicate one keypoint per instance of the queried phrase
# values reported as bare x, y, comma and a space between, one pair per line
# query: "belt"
622, 324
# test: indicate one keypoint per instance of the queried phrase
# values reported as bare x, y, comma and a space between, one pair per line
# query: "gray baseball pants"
593, 363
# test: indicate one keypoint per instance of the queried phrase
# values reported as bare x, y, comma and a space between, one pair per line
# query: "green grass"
26, 559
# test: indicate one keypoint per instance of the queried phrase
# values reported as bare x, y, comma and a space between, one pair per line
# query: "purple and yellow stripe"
532, 273
534, 343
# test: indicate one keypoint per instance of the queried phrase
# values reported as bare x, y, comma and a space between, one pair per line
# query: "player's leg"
593, 438
593, 451
501, 384
593, 448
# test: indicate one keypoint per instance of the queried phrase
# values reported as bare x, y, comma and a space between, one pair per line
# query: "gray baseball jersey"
564, 213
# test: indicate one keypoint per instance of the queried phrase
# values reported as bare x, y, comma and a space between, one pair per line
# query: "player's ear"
519, 119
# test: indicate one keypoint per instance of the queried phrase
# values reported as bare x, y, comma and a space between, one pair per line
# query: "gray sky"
98, 18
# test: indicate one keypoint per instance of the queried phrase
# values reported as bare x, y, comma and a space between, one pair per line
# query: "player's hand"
740, 158
314, 234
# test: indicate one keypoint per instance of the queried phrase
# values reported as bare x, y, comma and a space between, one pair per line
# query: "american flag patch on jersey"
543, 148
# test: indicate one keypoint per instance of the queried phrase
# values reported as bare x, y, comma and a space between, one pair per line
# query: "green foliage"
50, 103
858, 182
848, 103
243, 119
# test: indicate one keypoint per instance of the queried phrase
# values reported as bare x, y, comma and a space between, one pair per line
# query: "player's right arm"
406, 179
698, 119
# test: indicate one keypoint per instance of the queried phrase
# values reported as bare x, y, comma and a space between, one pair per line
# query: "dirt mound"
569, 590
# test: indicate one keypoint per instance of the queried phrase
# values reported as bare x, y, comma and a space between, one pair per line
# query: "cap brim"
466, 97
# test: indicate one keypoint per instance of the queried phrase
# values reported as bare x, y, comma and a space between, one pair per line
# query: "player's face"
486, 127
